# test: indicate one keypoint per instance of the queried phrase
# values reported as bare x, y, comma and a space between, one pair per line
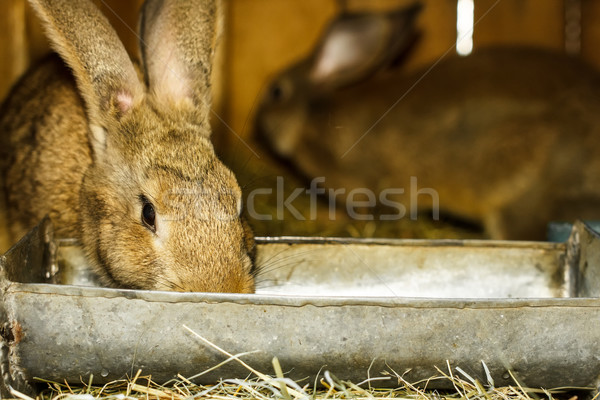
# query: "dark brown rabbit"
121, 158
507, 137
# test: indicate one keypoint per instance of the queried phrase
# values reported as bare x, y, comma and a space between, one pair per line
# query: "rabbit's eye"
276, 92
281, 90
148, 214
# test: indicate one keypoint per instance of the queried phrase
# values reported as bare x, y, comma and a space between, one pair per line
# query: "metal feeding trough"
353, 307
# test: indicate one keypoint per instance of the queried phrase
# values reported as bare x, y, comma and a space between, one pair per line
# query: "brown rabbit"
507, 137
123, 160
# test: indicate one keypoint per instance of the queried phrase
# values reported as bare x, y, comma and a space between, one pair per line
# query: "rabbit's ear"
85, 40
356, 45
177, 42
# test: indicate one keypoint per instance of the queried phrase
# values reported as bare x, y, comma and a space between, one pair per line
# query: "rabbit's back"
497, 122
46, 152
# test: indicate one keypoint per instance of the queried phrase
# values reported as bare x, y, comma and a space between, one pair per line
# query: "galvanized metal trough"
353, 307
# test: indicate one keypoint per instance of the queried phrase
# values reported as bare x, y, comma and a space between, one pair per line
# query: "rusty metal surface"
33, 258
588, 270
68, 332
86, 331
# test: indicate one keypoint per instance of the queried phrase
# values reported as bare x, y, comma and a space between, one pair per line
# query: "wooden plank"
265, 36
13, 52
521, 22
438, 27
590, 33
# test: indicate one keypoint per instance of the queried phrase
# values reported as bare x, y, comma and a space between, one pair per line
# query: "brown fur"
509, 137
87, 152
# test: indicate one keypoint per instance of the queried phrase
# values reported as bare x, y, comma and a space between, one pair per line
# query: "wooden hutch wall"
263, 36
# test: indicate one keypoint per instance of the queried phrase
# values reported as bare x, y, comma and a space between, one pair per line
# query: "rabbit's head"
158, 208
352, 48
